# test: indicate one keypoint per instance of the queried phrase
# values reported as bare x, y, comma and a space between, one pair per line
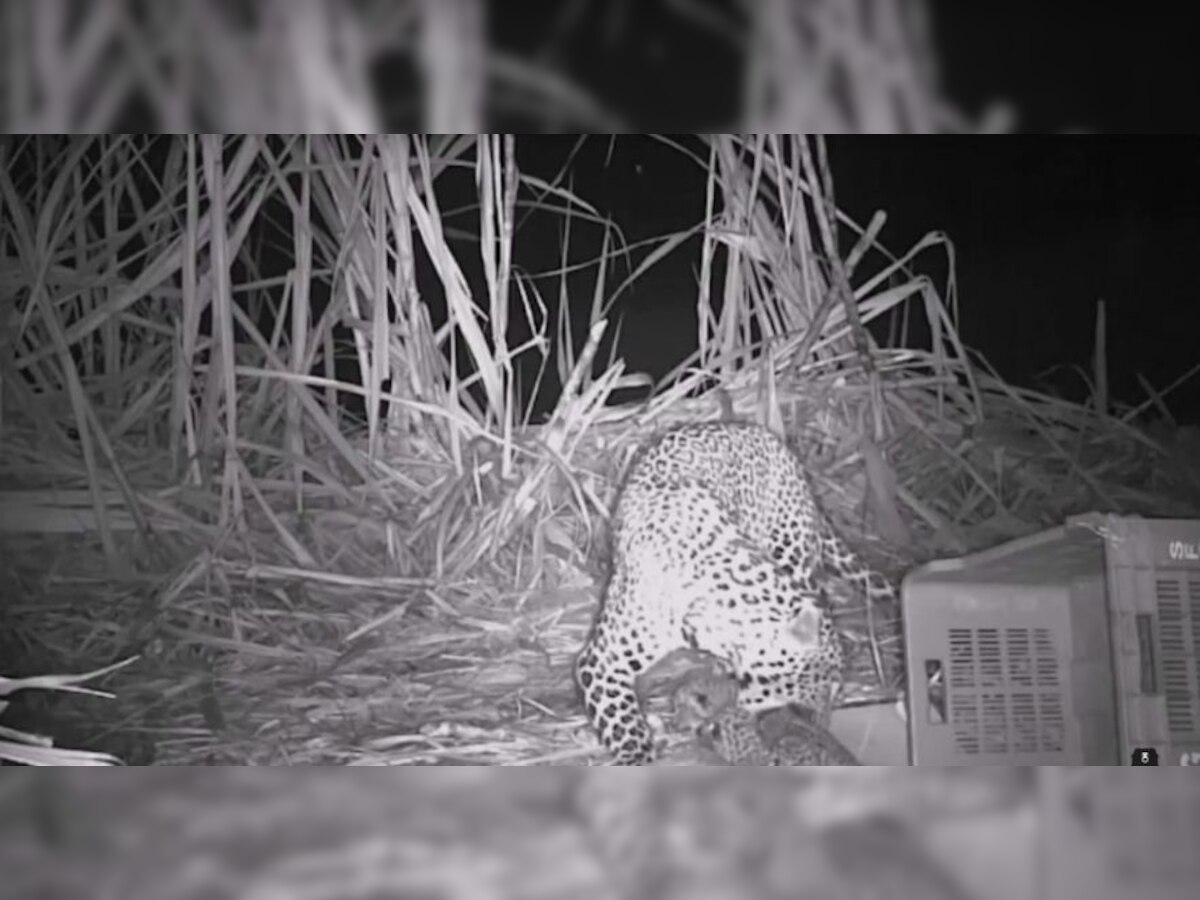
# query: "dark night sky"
1043, 228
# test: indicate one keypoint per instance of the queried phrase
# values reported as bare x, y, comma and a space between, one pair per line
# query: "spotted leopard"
706, 706
719, 546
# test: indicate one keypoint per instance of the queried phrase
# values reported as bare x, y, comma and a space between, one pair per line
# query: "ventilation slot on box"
1006, 691
1179, 640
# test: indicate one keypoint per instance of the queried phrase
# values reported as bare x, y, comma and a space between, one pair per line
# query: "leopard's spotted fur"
706, 706
718, 545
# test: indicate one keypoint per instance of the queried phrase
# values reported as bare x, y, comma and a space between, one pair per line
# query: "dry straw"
180, 484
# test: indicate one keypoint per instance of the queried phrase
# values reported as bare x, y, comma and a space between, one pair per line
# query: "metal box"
1075, 646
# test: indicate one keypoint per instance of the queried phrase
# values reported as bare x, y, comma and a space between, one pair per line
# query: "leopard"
718, 545
706, 707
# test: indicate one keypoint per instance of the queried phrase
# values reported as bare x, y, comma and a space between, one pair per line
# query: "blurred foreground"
480, 833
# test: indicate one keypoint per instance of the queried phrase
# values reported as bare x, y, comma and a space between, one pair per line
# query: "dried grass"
179, 483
